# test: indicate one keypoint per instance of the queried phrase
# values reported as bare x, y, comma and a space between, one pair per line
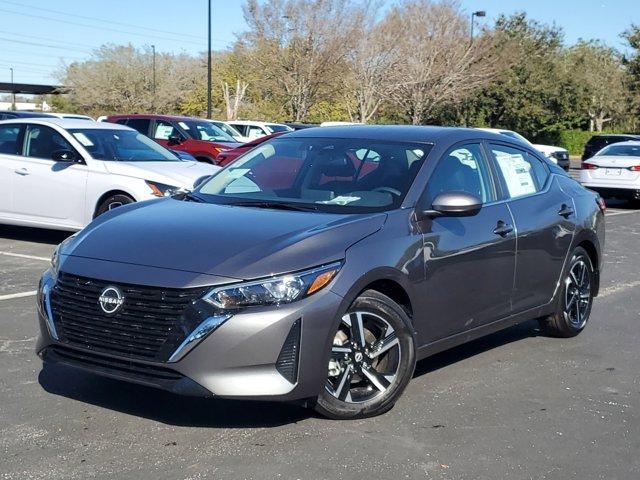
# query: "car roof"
23, 114
156, 116
400, 133
67, 123
616, 135
254, 122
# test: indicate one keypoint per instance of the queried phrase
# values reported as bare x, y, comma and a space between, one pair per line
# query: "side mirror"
175, 139
453, 204
64, 156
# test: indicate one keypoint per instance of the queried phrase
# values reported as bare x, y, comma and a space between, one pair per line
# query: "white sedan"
62, 173
614, 171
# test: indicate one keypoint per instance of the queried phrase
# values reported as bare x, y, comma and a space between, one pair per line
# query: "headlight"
55, 258
163, 190
273, 291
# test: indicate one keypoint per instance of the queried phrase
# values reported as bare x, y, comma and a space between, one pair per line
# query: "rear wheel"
114, 201
372, 359
576, 298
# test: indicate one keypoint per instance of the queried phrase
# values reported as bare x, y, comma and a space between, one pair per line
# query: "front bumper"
242, 358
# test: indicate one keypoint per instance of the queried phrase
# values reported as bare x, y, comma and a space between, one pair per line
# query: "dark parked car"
9, 114
196, 136
322, 265
225, 158
598, 142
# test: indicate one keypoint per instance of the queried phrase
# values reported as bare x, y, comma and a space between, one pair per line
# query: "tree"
439, 65
299, 47
120, 79
371, 62
597, 73
233, 101
631, 62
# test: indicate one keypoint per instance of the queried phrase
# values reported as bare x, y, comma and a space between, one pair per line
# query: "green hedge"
572, 140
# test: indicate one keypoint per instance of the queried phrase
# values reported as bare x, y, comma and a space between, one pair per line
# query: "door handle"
565, 211
22, 171
503, 229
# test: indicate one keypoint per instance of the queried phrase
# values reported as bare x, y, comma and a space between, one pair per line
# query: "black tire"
114, 201
373, 310
575, 300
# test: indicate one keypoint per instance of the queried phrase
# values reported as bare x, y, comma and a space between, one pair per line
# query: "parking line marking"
18, 295
626, 212
22, 255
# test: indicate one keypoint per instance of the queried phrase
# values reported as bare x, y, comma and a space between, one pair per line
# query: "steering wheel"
390, 190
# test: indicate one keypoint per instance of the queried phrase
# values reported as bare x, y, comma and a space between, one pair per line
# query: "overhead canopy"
31, 88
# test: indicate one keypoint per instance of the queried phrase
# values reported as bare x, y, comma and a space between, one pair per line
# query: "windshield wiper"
274, 205
190, 197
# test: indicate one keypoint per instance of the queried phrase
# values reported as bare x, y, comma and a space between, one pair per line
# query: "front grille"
149, 325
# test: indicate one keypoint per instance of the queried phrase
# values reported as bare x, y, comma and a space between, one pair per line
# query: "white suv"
62, 173
253, 130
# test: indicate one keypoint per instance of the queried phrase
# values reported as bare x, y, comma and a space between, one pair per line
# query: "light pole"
209, 62
13, 92
479, 13
153, 104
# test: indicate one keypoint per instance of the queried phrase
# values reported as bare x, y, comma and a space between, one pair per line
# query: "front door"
469, 261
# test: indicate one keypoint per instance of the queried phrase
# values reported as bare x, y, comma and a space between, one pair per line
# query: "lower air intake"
287, 364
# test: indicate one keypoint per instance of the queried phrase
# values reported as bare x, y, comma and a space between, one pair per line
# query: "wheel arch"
589, 241
108, 194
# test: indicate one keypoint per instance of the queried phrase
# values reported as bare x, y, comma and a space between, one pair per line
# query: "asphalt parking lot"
513, 405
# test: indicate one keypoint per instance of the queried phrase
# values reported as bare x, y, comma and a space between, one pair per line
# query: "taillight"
601, 204
635, 168
588, 166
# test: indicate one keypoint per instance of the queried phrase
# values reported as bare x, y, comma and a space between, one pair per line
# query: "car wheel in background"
114, 201
576, 298
372, 359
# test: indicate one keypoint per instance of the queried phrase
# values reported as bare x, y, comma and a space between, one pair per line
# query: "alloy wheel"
365, 358
577, 301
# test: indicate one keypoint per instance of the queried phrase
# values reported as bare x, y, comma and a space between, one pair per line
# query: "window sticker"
341, 200
183, 125
163, 132
517, 174
83, 139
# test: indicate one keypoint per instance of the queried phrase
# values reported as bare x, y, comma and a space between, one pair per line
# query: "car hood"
548, 149
179, 174
222, 240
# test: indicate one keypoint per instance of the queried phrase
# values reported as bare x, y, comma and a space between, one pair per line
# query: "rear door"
46, 190
545, 221
469, 261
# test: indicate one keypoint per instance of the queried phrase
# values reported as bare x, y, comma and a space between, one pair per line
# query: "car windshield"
275, 128
200, 130
620, 150
322, 174
121, 145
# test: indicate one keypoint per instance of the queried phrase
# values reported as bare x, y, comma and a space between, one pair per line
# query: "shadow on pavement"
164, 406
449, 357
35, 235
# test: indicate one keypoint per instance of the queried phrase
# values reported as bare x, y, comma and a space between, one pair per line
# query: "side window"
41, 142
163, 130
139, 124
122, 121
241, 128
462, 169
255, 132
9, 139
522, 174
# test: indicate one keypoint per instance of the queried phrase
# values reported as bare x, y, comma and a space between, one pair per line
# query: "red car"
196, 136
228, 156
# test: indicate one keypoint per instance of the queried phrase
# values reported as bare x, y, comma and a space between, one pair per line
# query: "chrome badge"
110, 300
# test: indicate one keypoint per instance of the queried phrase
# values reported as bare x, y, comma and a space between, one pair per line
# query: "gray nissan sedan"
321, 265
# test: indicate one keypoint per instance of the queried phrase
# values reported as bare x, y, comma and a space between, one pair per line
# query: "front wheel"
114, 201
576, 298
372, 359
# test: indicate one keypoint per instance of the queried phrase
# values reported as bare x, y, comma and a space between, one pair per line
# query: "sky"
37, 36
